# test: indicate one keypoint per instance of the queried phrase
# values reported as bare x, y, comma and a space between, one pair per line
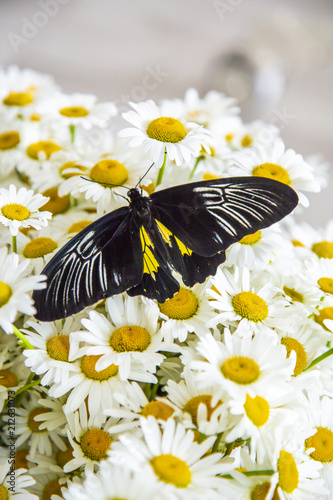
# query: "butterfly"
139, 248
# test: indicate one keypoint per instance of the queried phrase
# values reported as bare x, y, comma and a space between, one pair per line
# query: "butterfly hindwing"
209, 216
102, 260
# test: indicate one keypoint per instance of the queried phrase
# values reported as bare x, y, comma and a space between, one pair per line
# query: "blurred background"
275, 57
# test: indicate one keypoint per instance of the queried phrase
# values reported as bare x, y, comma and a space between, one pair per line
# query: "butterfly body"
138, 248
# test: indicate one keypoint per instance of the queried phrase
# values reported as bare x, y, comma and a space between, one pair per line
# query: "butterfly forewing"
102, 260
209, 216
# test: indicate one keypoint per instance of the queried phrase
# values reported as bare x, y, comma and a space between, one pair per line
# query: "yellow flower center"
323, 249
326, 284
4, 495
257, 410
157, 409
65, 172
166, 129
209, 177
301, 356
8, 378
297, 243
183, 305
322, 442
250, 306
171, 469
272, 171
109, 172
18, 99
260, 491
149, 189
57, 347
35, 117
21, 461
130, 338
88, 364
64, 456
192, 405
5, 293
9, 140
229, 137
15, 211
52, 488
74, 112
32, 423
95, 444
39, 247
56, 204
78, 226
241, 370
246, 141
251, 239
293, 294
288, 472
47, 148
324, 313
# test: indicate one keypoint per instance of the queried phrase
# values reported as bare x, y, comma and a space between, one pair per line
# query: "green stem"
23, 339
217, 442
27, 386
320, 358
252, 473
161, 170
195, 167
14, 244
72, 132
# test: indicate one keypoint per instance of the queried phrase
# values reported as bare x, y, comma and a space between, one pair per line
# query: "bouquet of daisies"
223, 391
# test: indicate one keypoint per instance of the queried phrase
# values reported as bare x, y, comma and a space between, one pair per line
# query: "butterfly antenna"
144, 175
108, 185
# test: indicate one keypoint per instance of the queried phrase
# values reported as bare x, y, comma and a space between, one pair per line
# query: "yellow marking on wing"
166, 233
150, 264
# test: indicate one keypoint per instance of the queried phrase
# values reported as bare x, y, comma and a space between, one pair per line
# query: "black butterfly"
137, 248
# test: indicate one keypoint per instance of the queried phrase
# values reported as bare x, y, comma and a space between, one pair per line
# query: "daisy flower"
174, 456
10, 137
51, 349
134, 404
27, 429
252, 135
89, 440
77, 109
13, 373
15, 287
112, 481
160, 133
97, 387
256, 250
275, 162
14, 482
242, 363
320, 443
201, 408
260, 418
22, 89
105, 174
19, 209
241, 302
131, 339
40, 247
208, 111
320, 273
187, 311
296, 476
